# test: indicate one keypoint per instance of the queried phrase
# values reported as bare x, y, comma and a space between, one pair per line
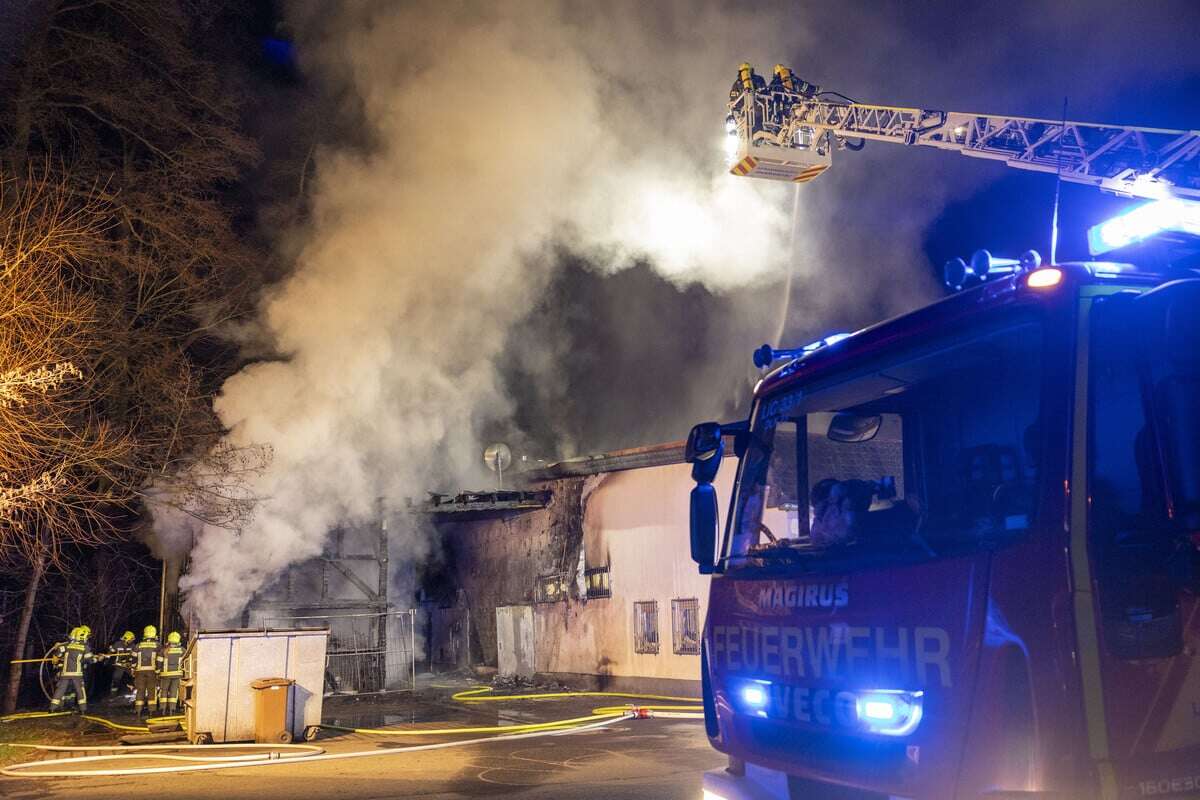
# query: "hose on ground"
108, 723
483, 694
54, 767
295, 753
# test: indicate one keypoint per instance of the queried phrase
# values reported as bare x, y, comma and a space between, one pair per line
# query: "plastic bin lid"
271, 683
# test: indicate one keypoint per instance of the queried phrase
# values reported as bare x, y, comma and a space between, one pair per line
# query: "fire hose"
108, 723
305, 754
483, 695
273, 754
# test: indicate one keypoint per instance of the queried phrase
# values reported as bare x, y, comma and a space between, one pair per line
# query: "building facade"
601, 575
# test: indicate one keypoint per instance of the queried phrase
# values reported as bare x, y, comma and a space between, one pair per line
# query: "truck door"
1143, 525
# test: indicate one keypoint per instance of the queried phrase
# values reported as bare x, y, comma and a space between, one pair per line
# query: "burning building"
583, 576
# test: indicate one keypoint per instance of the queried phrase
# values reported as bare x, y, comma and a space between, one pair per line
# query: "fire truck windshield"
926, 454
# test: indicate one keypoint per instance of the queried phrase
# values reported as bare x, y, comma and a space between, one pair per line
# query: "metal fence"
369, 652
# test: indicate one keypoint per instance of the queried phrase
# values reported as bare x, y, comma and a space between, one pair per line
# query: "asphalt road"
652, 758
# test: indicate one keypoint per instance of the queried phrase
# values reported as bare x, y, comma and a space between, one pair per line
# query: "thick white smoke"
493, 133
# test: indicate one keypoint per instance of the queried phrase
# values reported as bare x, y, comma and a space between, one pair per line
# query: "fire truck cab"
961, 556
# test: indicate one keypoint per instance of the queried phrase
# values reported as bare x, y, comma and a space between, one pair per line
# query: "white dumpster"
220, 667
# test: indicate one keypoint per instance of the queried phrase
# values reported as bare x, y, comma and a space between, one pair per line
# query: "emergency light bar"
1144, 221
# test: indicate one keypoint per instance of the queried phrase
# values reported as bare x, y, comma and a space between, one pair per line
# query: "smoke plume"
494, 136
533, 207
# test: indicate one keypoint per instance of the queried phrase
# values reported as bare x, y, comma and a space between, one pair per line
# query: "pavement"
632, 758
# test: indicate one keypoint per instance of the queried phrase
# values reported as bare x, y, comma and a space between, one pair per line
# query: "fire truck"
960, 558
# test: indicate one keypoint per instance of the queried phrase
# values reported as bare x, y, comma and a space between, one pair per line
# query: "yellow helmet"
174, 638
127, 636
75, 633
150, 632
85, 631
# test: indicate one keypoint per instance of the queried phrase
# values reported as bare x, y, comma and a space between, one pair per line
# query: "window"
598, 582
924, 455
551, 588
685, 626
1144, 460
645, 627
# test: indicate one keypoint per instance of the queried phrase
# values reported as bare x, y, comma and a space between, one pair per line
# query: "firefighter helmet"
174, 638
75, 633
150, 632
84, 631
127, 636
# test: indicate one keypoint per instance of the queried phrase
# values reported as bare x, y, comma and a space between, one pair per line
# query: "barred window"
645, 627
551, 588
598, 582
685, 626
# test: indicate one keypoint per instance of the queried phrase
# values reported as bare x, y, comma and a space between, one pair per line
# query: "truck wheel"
311, 732
202, 738
284, 737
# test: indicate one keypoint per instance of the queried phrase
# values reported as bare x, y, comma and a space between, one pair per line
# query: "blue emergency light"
890, 712
754, 696
1144, 221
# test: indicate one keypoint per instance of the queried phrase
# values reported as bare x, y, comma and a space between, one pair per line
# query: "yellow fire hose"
108, 723
277, 754
484, 695
274, 755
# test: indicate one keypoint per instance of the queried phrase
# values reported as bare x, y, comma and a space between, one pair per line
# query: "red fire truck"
961, 554
960, 559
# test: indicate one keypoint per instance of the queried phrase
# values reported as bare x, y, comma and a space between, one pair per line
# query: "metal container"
221, 666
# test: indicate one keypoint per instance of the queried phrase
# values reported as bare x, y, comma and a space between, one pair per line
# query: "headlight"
890, 712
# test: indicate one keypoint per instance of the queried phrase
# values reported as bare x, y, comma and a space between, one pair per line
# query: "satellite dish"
498, 457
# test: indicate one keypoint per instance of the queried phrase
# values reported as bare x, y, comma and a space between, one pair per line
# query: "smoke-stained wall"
496, 561
632, 522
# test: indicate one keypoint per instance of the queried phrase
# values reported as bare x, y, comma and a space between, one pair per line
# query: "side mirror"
704, 526
851, 428
704, 451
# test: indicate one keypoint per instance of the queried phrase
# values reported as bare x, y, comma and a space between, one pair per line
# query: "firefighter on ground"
145, 671
170, 671
71, 656
122, 655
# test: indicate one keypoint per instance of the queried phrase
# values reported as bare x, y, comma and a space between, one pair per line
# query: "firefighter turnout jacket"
71, 657
170, 662
145, 656
122, 654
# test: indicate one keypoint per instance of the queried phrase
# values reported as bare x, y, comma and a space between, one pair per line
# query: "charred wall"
497, 560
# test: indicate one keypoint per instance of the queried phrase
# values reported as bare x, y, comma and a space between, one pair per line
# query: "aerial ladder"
789, 129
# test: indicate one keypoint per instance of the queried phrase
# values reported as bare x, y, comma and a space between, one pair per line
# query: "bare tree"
148, 128
63, 470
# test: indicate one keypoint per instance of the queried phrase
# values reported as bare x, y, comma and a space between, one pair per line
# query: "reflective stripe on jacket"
74, 654
171, 661
147, 655
123, 654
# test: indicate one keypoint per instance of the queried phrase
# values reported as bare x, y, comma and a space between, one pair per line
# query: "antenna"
1058, 189
498, 457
